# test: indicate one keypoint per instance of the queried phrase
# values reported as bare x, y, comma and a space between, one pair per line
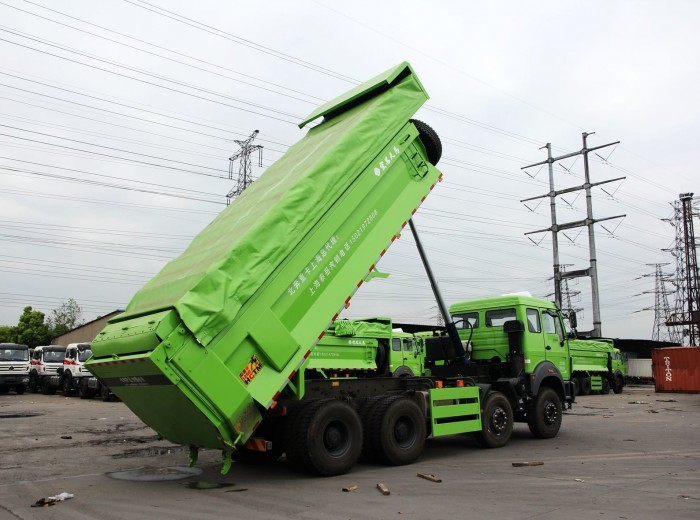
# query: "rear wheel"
84, 392
577, 385
326, 438
585, 385
606, 386
46, 387
619, 385
105, 394
496, 421
544, 415
397, 431
431, 141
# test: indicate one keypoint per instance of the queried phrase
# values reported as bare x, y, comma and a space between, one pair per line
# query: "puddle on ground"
152, 474
18, 415
203, 484
151, 452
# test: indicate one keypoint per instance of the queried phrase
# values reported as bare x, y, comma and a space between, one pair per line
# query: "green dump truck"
596, 365
369, 347
213, 351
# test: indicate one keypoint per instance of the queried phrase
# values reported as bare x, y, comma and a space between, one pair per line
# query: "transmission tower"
245, 173
589, 221
687, 305
662, 308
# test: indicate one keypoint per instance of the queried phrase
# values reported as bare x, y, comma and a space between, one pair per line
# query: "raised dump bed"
213, 340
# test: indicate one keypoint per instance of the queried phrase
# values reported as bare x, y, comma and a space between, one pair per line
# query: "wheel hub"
499, 420
336, 438
550, 413
405, 432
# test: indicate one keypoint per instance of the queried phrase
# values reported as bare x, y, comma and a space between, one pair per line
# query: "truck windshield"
84, 355
54, 356
14, 354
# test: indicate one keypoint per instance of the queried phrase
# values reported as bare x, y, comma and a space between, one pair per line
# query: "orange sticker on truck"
251, 370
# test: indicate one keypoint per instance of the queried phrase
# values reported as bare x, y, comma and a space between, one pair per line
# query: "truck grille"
15, 368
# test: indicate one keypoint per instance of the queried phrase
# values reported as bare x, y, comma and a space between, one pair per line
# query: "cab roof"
495, 302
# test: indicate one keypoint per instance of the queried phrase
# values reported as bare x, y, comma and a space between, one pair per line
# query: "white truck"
14, 367
46, 367
74, 371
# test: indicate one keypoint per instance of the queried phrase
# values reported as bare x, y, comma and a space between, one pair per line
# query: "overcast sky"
117, 119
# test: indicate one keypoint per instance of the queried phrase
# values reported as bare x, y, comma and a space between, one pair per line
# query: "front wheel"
544, 415
20, 389
496, 421
67, 386
33, 383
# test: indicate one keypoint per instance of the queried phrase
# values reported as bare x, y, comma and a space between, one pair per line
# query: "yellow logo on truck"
251, 370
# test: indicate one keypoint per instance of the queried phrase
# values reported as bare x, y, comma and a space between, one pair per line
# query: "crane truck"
213, 351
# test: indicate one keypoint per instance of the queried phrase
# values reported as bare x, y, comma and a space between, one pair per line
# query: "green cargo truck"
213, 351
368, 347
597, 365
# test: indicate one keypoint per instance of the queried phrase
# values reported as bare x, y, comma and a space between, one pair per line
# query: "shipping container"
639, 370
676, 369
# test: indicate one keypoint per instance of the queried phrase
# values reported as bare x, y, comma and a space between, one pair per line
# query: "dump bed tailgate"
219, 333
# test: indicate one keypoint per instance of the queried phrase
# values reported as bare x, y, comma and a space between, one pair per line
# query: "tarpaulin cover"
362, 329
236, 253
591, 345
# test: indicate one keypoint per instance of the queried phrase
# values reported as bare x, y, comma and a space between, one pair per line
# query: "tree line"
34, 328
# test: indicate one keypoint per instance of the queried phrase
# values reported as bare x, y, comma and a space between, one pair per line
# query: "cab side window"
468, 320
498, 317
549, 323
396, 344
533, 320
407, 345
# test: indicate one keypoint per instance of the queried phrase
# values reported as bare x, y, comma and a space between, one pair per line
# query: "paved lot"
629, 456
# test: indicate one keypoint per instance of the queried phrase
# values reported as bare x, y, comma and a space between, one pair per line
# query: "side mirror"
572, 319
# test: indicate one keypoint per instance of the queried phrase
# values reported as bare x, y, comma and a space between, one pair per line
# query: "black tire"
67, 386
544, 415
105, 394
327, 438
397, 431
20, 389
496, 421
33, 383
84, 392
619, 384
431, 141
577, 385
366, 411
46, 387
606, 386
585, 385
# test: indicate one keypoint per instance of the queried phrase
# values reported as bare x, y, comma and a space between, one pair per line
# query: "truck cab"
46, 362
14, 367
73, 366
518, 343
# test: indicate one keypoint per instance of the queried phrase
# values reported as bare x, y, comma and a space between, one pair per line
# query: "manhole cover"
151, 474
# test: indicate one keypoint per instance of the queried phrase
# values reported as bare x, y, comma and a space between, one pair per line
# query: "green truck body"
597, 365
216, 350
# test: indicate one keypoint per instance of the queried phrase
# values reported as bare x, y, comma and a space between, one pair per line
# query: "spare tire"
431, 141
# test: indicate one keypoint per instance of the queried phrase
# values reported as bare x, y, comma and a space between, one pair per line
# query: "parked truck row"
49, 368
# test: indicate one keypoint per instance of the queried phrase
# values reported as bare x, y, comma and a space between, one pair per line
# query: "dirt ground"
630, 456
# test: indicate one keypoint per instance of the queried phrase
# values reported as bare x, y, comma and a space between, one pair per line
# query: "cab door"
556, 349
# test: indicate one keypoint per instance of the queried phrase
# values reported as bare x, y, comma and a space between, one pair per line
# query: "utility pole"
687, 308
245, 174
589, 221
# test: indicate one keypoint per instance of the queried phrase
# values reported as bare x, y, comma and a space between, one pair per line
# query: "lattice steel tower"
687, 308
245, 173
662, 309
